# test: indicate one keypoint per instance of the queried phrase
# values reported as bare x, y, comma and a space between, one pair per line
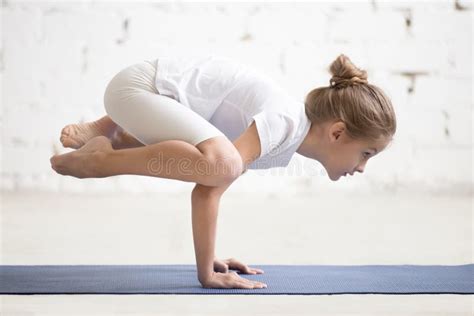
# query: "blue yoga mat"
281, 279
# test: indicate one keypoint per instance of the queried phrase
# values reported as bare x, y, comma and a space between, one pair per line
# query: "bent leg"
152, 118
176, 159
180, 144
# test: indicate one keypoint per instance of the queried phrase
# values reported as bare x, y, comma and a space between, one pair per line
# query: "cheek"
350, 155
353, 160
345, 160
343, 163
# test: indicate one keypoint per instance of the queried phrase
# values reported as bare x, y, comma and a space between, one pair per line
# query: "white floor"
156, 229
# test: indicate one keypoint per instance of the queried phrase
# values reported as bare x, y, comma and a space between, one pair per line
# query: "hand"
231, 281
223, 266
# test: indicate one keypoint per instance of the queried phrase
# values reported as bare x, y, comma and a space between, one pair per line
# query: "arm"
205, 205
248, 145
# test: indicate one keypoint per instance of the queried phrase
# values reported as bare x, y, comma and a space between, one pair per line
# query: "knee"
232, 168
115, 91
109, 98
223, 159
225, 168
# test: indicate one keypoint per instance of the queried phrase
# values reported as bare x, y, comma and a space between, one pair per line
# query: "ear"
336, 130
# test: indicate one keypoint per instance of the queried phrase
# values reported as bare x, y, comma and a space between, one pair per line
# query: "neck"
311, 147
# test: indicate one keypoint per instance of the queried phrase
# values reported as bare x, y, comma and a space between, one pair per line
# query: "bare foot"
76, 135
84, 162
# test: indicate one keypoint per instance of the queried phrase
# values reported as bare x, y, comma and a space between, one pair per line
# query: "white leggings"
132, 101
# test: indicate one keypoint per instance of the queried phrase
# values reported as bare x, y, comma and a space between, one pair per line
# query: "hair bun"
345, 73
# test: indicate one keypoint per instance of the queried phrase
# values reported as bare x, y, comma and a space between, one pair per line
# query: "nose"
360, 168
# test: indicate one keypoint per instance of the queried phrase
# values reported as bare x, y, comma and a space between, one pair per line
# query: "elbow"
205, 193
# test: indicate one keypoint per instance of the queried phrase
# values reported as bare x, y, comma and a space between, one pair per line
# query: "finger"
253, 284
254, 271
259, 285
221, 269
235, 264
243, 283
247, 285
220, 266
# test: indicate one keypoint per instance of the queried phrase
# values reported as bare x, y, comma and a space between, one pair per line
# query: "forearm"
205, 206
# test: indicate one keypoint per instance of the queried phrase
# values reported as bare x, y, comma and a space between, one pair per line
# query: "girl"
208, 119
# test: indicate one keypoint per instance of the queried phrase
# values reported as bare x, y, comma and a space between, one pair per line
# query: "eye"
366, 154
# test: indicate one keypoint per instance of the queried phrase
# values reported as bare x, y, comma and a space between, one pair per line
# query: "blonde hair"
364, 108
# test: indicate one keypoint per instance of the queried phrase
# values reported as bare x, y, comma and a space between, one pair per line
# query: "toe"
67, 130
66, 138
55, 162
70, 142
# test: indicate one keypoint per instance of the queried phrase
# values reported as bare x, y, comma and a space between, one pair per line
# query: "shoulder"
276, 129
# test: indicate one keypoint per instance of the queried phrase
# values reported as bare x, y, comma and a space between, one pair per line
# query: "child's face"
346, 156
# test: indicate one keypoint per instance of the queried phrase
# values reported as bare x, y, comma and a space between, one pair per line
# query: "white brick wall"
57, 57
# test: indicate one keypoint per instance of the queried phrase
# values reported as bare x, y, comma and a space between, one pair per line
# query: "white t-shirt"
230, 95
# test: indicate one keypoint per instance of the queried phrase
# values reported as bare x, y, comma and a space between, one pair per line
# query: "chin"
334, 178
